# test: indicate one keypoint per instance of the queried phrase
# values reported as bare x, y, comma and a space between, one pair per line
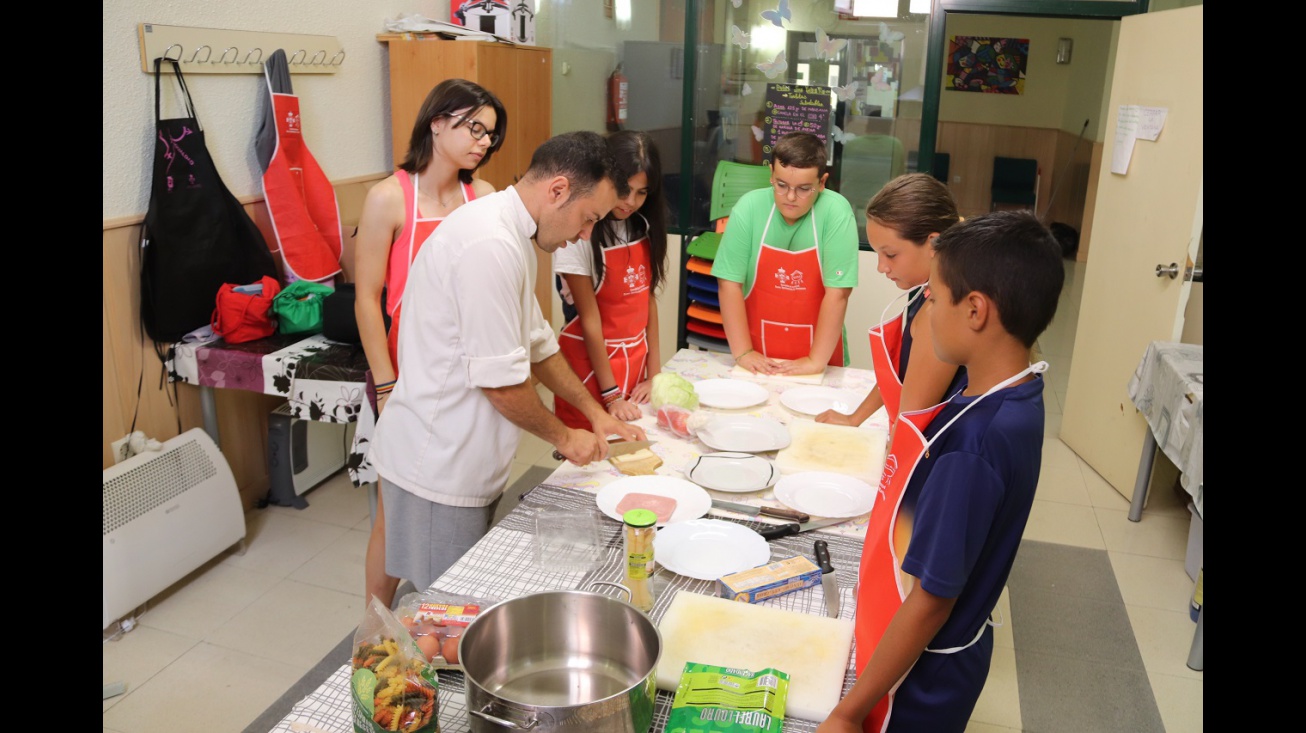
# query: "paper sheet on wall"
1134, 122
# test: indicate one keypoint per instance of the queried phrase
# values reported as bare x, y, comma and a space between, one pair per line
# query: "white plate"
825, 494
706, 549
815, 400
744, 433
692, 501
732, 472
729, 394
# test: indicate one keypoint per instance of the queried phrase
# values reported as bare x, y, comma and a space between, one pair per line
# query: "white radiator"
166, 513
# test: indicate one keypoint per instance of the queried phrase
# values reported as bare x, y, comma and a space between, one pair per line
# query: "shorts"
423, 539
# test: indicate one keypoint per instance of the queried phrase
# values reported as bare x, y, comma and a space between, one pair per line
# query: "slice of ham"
663, 506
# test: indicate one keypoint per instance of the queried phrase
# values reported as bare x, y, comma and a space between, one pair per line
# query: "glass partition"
873, 67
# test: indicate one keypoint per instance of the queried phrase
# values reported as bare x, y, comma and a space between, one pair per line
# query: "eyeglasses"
477, 130
784, 189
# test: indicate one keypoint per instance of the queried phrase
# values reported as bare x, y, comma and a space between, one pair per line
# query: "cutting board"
812, 649
738, 372
857, 452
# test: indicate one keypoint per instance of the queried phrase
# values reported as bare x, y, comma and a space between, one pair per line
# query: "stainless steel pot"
561, 661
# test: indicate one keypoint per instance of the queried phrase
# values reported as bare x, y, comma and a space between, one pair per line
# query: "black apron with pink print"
196, 236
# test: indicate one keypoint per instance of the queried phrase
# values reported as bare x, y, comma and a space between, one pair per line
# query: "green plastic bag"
298, 307
712, 699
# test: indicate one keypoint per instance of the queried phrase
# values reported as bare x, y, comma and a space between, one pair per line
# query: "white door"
1150, 216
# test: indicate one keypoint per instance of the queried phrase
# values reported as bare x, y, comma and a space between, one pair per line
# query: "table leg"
1144, 473
209, 408
1195, 653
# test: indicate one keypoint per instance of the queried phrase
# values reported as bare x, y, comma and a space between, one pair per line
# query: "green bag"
298, 307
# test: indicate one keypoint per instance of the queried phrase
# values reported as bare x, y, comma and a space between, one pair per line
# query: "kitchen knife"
784, 530
770, 511
617, 448
828, 581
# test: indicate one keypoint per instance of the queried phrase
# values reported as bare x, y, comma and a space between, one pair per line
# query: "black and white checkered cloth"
505, 564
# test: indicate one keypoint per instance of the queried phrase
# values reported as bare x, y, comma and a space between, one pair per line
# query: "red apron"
785, 300
623, 312
881, 584
301, 201
404, 250
886, 355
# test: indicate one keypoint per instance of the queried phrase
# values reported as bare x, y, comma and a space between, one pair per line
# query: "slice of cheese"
643, 462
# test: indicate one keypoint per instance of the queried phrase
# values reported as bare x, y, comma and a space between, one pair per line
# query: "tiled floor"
213, 651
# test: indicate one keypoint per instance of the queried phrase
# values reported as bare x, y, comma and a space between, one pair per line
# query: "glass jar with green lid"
641, 528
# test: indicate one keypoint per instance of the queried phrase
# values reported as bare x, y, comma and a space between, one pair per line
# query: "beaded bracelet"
609, 399
746, 353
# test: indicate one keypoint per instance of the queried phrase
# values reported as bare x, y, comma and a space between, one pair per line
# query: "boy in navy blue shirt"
994, 284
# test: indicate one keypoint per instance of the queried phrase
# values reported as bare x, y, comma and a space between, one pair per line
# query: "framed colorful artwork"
991, 65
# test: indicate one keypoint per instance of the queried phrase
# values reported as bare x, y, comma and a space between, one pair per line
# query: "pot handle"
614, 585
483, 713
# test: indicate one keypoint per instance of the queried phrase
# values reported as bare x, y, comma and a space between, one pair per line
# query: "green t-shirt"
836, 237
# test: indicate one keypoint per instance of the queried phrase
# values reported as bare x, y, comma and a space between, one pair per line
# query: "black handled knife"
784, 530
828, 582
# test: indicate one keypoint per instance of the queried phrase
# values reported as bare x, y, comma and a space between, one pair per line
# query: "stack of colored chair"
702, 315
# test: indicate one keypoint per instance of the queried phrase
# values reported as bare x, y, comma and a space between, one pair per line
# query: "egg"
430, 646
450, 649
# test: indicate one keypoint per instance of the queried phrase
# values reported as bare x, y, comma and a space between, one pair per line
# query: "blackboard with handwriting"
795, 108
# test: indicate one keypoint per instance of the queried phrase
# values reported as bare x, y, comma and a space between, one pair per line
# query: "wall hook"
180, 52
314, 61
339, 55
257, 60
197, 53
297, 53
223, 58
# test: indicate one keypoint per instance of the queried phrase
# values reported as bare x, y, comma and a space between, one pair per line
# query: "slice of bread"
643, 462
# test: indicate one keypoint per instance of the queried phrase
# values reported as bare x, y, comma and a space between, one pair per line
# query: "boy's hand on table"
642, 392
624, 409
834, 417
757, 363
798, 367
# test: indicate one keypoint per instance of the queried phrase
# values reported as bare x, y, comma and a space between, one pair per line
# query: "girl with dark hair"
609, 285
459, 127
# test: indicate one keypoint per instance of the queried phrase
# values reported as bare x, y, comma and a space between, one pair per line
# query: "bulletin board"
796, 108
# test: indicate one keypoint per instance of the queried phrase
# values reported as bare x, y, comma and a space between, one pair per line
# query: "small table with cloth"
1167, 389
321, 379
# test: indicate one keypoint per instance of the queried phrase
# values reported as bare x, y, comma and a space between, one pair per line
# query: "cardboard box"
769, 580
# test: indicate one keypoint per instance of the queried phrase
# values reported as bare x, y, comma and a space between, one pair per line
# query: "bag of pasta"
392, 685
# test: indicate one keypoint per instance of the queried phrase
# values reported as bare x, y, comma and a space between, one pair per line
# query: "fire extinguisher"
618, 88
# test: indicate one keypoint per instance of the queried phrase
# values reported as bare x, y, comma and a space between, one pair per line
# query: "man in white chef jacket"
470, 339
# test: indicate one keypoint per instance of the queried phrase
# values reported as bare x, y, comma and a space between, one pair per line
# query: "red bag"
245, 316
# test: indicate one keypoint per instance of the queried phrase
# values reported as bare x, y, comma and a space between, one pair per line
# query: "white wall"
346, 114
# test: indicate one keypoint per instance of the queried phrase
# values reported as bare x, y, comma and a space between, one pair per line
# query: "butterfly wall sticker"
840, 136
848, 92
736, 3
757, 132
779, 15
775, 67
747, 90
827, 47
738, 37
888, 38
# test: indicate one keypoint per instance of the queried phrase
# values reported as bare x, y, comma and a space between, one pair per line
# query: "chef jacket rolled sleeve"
498, 321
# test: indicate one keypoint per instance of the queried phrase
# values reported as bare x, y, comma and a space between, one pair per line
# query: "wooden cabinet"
520, 76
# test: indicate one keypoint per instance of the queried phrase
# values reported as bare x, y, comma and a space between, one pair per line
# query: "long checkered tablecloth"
504, 565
